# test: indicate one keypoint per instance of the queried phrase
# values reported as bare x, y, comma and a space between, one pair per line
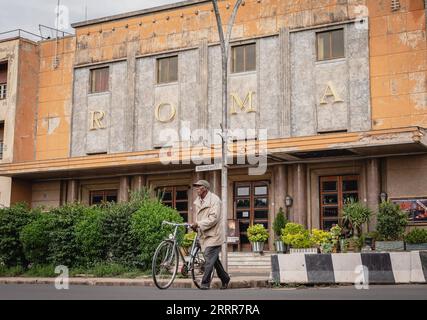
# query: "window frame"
233, 58
330, 31
168, 58
173, 201
91, 80
104, 193
3, 85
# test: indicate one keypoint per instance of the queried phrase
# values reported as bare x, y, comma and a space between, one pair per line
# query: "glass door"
251, 207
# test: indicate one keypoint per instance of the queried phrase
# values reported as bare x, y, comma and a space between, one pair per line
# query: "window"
3, 80
244, 58
101, 196
177, 198
1, 139
167, 69
334, 193
330, 45
99, 79
415, 208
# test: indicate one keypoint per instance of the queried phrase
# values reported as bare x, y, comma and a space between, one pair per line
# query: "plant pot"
389, 246
416, 246
257, 247
280, 246
305, 250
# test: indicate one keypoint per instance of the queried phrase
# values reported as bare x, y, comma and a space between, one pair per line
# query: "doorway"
250, 207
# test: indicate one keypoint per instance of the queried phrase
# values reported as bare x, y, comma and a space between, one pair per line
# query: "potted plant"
322, 239
298, 238
355, 215
335, 237
391, 224
416, 240
187, 241
257, 235
279, 223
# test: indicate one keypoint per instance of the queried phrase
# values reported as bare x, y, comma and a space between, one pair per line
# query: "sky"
28, 14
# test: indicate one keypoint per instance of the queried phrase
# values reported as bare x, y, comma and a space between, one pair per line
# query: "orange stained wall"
26, 103
398, 64
55, 98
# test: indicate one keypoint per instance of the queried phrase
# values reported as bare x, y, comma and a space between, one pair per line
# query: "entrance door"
250, 207
335, 191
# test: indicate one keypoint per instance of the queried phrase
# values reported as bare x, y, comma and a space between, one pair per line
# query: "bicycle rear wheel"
198, 268
165, 264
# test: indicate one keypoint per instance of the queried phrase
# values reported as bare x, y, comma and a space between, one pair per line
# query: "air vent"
395, 5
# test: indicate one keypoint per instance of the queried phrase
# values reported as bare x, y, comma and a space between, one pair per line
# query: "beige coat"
209, 219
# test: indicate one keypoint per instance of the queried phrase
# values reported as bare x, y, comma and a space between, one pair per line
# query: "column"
373, 186
300, 194
215, 181
280, 191
138, 183
124, 189
72, 191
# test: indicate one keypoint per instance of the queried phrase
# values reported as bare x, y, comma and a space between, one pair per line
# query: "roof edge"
138, 13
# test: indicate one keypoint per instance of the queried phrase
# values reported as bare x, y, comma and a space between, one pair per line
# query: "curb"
178, 283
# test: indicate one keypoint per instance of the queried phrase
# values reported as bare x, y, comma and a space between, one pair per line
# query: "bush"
416, 236
279, 223
391, 222
12, 221
146, 227
90, 236
257, 233
320, 237
355, 215
296, 236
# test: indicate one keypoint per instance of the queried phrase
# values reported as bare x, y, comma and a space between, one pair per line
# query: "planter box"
416, 247
257, 247
389, 246
280, 246
307, 250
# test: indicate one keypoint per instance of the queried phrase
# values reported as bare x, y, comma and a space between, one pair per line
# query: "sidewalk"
237, 282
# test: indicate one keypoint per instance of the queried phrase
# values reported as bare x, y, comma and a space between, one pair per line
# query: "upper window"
330, 45
3, 80
99, 79
244, 58
177, 198
167, 69
103, 196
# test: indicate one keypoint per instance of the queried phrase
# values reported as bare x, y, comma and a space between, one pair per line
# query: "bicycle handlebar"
176, 224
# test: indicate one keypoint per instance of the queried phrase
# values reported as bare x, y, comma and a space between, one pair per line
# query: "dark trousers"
212, 260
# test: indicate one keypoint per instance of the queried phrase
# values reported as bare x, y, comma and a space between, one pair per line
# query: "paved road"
48, 292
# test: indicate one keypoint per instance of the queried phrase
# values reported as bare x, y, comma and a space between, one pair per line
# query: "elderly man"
209, 222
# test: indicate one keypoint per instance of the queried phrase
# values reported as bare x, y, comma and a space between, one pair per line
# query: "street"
75, 292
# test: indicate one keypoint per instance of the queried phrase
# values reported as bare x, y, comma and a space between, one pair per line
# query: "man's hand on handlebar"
194, 226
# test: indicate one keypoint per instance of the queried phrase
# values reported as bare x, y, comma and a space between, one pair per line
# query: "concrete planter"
305, 250
257, 247
388, 246
416, 247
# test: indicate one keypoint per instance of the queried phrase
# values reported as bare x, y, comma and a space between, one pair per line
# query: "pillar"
300, 194
72, 191
124, 189
373, 186
138, 183
280, 191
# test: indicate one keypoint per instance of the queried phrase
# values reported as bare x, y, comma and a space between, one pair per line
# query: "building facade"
328, 99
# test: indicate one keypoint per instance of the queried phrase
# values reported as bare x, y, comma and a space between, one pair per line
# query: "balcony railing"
3, 90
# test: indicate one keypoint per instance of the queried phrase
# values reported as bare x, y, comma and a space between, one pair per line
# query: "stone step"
253, 264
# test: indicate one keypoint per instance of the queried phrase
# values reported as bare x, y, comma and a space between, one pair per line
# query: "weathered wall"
5, 184
55, 98
24, 149
46, 194
398, 64
20, 191
348, 77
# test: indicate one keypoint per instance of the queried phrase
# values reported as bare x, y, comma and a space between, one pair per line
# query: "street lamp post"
225, 41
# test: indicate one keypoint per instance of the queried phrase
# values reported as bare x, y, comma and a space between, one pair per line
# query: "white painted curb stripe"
401, 266
345, 265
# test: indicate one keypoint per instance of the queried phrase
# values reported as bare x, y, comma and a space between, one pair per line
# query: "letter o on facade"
171, 115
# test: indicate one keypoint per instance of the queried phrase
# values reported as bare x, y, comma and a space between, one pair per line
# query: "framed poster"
416, 208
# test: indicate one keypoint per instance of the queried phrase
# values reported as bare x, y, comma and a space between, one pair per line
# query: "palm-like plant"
355, 215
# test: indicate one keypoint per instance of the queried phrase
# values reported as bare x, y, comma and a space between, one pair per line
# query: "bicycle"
166, 260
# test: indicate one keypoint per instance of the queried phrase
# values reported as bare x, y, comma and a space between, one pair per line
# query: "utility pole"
225, 49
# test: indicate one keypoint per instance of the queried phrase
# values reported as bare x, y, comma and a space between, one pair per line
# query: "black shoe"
225, 284
204, 287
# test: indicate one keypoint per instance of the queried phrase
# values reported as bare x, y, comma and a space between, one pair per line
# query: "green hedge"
76, 235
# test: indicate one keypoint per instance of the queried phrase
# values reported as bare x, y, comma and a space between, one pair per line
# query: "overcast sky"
28, 14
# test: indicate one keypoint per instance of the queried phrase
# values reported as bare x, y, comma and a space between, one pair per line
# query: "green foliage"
12, 221
320, 237
90, 236
416, 236
296, 236
257, 233
326, 247
146, 227
391, 222
355, 215
188, 239
279, 222
335, 232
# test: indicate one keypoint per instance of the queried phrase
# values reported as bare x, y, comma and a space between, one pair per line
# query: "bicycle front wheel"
165, 264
